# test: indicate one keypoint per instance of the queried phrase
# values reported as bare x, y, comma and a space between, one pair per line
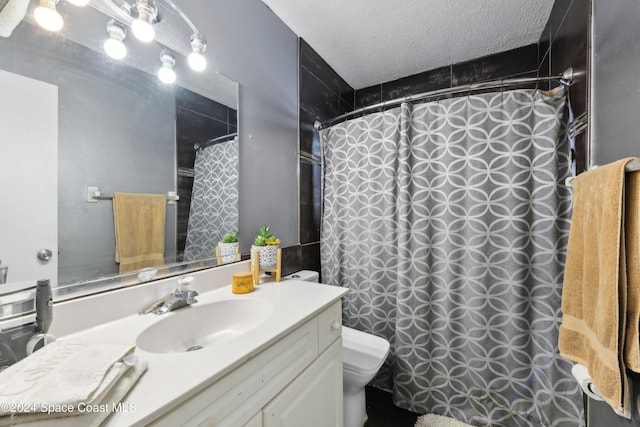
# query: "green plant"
231, 237
264, 237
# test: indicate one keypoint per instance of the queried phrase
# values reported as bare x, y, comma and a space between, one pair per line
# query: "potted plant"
229, 246
266, 245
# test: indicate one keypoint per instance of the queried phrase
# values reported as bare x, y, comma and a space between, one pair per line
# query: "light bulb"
115, 48
142, 27
47, 16
79, 2
143, 31
113, 45
166, 73
196, 60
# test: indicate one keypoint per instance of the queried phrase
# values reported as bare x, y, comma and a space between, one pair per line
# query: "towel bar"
632, 166
94, 194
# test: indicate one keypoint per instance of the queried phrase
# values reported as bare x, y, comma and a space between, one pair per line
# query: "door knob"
45, 255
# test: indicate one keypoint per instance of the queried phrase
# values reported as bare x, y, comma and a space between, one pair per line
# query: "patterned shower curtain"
214, 200
448, 222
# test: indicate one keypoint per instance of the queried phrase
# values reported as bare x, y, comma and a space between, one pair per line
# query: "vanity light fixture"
142, 16
147, 16
47, 16
166, 74
196, 59
113, 45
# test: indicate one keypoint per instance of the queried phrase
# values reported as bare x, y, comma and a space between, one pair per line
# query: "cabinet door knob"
336, 326
44, 255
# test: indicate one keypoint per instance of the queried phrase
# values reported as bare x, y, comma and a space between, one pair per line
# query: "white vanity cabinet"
296, 381
314, 398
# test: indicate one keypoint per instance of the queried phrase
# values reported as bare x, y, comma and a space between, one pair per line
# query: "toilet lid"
363, 352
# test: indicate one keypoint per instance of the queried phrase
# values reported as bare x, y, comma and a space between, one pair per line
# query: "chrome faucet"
182, 296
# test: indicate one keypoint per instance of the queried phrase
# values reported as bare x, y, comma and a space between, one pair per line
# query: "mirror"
80, 120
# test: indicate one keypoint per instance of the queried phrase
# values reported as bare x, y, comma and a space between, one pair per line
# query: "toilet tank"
306, 275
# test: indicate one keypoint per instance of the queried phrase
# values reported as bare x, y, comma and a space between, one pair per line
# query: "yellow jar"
242, 283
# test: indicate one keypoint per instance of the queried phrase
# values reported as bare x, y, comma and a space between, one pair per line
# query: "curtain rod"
220, 139
565, 78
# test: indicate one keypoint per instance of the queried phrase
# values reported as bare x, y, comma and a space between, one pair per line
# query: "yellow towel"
632, 235
139, 221
594, 295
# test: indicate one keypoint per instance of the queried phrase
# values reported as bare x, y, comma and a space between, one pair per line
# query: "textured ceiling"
374, 41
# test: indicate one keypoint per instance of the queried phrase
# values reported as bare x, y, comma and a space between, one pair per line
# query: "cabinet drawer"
329, 325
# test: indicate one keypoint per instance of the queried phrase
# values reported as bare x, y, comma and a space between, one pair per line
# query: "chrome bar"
218, 139
309, 158
186, 172
632, 166
579, 125
565, 78
94, 194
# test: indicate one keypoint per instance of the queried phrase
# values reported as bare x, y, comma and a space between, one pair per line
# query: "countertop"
175, 377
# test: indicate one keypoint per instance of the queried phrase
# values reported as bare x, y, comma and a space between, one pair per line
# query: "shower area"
447, 218
448, 222
214, 199
207, 162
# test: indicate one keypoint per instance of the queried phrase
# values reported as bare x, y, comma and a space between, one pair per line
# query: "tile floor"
383, 413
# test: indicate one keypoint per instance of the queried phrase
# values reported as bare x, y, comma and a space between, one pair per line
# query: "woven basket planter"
268, 256
229, 251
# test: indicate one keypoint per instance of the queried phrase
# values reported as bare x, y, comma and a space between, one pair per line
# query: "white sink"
195, 327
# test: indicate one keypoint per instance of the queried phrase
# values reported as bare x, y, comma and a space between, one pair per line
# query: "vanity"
284, 364
268, 358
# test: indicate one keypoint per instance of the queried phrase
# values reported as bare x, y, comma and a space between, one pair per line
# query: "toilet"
363, 354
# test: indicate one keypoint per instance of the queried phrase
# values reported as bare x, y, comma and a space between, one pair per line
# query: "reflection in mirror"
73, 118
214, 205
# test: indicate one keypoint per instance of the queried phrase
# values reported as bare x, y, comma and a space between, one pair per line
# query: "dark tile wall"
565, 43
198, 119
323, 95
291, 260
518, 62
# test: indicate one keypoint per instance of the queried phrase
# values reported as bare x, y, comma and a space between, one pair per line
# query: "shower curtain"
448, 222
214, 200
